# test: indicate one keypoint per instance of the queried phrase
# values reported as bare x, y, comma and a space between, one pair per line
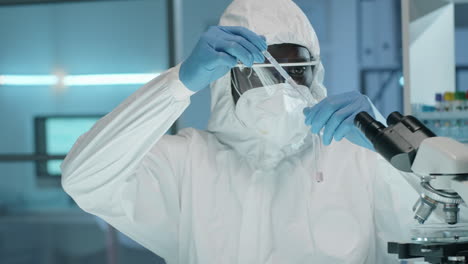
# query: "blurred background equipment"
435, 66
63, 64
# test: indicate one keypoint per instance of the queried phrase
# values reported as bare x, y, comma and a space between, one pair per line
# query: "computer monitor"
55, 135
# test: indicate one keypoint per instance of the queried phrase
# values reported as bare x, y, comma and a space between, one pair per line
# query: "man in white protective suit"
256, 187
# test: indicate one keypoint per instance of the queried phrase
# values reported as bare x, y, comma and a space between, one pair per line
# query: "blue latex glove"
218, 50
336, 114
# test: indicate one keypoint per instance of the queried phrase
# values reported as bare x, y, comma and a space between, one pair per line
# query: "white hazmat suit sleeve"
116, 172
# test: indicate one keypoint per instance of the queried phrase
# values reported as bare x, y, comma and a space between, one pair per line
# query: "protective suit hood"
280, 21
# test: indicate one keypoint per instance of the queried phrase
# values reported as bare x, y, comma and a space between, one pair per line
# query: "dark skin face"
288, 53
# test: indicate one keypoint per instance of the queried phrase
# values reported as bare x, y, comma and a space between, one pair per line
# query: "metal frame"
175, 39
9, 158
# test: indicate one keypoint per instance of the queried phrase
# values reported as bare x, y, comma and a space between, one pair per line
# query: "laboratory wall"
76, 39
42, 224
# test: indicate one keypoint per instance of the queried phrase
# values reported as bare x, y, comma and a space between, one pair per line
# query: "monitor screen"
61, 134
55, 135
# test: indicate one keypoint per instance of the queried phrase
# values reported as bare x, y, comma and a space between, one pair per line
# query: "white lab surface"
227, 195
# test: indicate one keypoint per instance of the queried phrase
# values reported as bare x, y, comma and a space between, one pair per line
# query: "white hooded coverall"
225, 195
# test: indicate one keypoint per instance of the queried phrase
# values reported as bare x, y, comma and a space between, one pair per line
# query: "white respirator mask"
275, 113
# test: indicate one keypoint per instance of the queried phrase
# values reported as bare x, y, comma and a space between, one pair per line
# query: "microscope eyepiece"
398, 143
394, 118
411, 122
368, 125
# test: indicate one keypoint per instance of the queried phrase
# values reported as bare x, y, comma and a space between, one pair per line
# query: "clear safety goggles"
265, 74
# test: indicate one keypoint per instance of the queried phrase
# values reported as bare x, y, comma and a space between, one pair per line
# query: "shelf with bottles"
446, 125
441, 115
448, 117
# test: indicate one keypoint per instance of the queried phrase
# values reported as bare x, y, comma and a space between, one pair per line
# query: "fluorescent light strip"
28, 80
107, 79
76, 80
